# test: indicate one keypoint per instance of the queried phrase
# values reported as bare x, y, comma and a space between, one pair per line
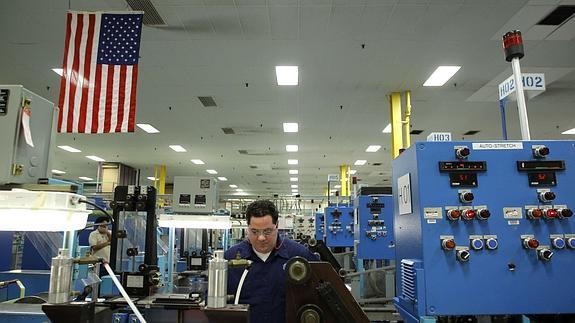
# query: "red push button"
551, 214
468, 215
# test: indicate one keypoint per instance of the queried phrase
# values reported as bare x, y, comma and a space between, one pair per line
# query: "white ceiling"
214, 47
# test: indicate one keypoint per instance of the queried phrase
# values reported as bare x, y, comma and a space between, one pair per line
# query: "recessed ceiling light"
239, 190
84, 178
337, 186
291, 127
294, 191
197, 161
152, 178
287, 75
441, 75
292, 162
292, 148
293, 179
96, 158
360, 162
569, 132
178, 148
70, 149
211, 171
294, 186
58, 71
223, 179
233, 186
147, 128
387, 128
352, 172
293, 171
372, 148
59, 172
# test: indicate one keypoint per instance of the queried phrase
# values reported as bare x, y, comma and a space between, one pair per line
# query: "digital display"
463, 179
185, 199
200, 200
530, 165
459, 166
542, 179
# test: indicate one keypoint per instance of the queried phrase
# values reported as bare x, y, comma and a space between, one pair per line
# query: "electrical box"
196, 195
374, 227
339, 225
25, 161
319, 226
304, 226
484, 228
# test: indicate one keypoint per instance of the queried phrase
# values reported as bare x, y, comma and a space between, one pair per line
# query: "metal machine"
374, 227
484, 228
319, 226
339, 225
195, 195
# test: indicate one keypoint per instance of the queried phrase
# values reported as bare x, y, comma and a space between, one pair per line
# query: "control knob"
466, 197
544, 254
463, 255
546, 196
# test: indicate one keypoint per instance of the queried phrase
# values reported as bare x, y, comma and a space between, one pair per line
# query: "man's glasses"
265, 232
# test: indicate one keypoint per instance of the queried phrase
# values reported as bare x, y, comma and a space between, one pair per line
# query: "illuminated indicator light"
453, 214
448, 244
530, 243
551, 214
468, 214
534, 213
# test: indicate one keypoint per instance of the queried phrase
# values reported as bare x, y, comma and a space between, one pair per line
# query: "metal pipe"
171, 262
217, 280
521, 106
386, 268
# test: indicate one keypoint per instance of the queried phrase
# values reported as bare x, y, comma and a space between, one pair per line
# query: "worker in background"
100, 239
264, 287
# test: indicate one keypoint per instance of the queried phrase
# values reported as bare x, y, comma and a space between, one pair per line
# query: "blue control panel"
339, 225
374, 227
319, 226
484, 228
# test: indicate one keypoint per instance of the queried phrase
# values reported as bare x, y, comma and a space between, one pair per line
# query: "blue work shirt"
264, 287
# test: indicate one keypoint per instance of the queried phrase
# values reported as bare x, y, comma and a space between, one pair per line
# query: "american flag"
100, 72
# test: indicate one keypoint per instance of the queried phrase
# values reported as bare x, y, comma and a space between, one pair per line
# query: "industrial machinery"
194, 195
484, 228
374, 227
319, 226
304, 226
339, 225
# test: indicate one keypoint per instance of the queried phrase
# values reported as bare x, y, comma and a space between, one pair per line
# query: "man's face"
262, 233
103, 227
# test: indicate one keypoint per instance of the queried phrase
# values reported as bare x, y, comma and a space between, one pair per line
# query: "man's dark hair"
262, 208
101, 219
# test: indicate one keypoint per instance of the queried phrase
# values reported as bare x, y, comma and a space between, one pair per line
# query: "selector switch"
550, 214
540, 152
544, 254
463, 255
462, 152
468, 214
546, 196
483, 214
491, 243
453, 214
534, 214
530, 243
466, 197
447, 244
476, 244
564, 213
558, 243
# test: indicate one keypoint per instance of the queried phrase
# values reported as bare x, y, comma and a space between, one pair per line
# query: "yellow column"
406, 120
343, 170
395, 117
162, 180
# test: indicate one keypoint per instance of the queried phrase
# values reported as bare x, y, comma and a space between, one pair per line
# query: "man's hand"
109, 234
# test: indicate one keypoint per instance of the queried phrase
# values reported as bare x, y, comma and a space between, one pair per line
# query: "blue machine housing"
507, 277
319, 226
339, 225
374, 227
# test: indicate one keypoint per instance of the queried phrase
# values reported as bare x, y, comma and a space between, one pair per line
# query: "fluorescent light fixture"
337, 186
239, 190
152, 178
147, 128
372, 148
294, 191
233, 186
70, 149
293, 161
569, 132
198, 161
292, 148
58, 71
96, 158
294, 186
194, 221
223, 179
59, 172
293, 171
211, 171
84, 178
441, 75
287, 75
387, 128
178, 148
291, 127
360, 162
293, 179
23, 210
352, 172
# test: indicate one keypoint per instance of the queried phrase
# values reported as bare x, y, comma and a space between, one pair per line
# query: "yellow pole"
162, 180
406, 124
343, 177
396, 125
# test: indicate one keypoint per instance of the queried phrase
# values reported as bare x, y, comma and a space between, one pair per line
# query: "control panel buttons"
544, 254
463, 255
483, 214
534, 214
453, 214
550, 214
530, 243
546, 196
558, 243
540, 151
466, 197
570, 242
476, 244
462, 152
447, 244
468, 214
491, 243
565, 213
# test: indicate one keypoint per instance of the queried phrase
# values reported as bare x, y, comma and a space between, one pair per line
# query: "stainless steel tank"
217, 280
60, 278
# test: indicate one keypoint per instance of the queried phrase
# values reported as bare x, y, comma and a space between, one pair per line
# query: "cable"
240, 285
99, 208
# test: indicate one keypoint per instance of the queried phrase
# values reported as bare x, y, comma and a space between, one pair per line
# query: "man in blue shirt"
264, 287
